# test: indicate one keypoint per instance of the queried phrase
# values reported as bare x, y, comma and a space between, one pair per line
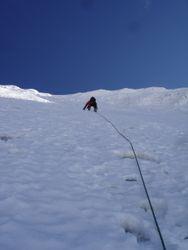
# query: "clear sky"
67, 46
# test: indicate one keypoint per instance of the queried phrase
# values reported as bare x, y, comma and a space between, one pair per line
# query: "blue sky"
67, 46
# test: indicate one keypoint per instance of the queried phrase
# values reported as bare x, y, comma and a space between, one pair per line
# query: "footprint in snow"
5, 138
130, 178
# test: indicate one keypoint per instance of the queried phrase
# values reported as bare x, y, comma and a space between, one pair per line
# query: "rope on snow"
142, 178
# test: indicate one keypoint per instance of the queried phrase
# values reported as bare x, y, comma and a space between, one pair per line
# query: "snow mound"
159, 205
11, 91
137, 227
140, 155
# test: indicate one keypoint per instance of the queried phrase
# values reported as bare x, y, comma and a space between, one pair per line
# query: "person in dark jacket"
91, 103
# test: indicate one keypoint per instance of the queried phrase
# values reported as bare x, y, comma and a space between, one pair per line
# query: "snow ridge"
11, 91
153, 96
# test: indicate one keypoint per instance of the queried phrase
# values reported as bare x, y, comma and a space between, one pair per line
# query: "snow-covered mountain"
155, 96
141, 97
11, 91
70, 182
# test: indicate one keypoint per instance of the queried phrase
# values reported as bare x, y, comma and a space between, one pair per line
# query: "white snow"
68, 181
11, 91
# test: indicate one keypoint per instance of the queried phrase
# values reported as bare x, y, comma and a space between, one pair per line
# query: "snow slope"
68, 181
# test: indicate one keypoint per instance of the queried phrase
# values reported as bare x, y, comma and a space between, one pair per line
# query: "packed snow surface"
68, 181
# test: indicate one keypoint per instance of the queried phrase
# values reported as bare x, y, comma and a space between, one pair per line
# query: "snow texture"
12, 91
63, 170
